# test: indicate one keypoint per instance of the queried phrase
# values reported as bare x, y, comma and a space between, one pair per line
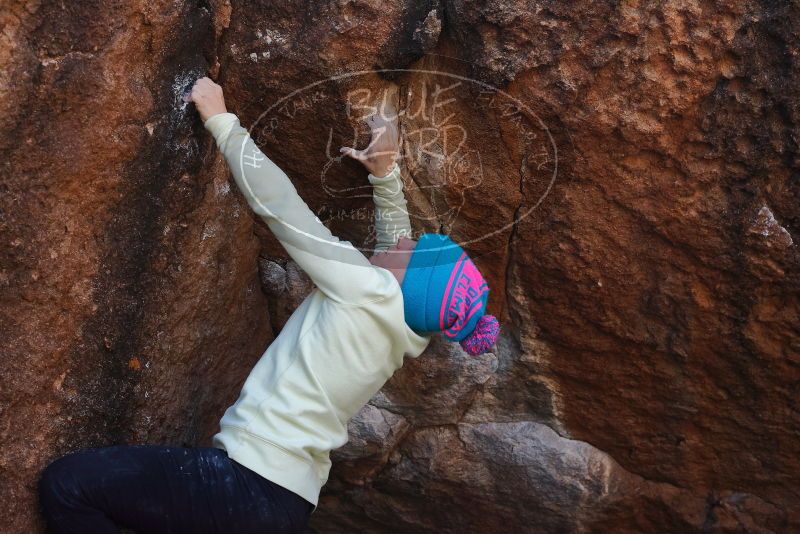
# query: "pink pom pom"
483, 337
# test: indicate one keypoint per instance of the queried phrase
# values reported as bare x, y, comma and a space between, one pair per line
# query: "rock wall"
626, 173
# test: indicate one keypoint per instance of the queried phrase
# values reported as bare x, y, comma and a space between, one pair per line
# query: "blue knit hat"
443, 291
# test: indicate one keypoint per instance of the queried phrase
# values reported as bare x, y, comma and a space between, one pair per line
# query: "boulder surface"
626, 174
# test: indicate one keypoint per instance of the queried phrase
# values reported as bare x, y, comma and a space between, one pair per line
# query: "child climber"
270, 458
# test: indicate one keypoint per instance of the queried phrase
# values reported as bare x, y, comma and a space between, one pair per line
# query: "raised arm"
391, 210
336, 267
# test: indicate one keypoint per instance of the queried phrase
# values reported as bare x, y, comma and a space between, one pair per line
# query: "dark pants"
159, 489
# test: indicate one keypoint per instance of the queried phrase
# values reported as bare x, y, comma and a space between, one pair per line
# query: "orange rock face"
624, 173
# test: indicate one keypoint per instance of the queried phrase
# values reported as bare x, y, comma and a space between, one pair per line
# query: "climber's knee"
59, 483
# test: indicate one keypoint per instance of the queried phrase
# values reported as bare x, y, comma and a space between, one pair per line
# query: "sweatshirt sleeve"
337, 268
391, 209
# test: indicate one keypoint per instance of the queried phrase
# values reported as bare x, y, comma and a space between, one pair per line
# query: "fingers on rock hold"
347, 151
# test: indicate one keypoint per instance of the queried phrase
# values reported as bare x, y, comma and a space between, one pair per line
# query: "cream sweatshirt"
338, 348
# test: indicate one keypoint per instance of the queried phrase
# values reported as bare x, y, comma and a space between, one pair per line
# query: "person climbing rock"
271, 456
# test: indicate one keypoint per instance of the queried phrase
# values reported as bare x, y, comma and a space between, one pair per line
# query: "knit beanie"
443, 291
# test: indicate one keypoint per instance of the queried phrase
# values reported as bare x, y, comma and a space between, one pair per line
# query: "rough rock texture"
127, 264
625, 173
